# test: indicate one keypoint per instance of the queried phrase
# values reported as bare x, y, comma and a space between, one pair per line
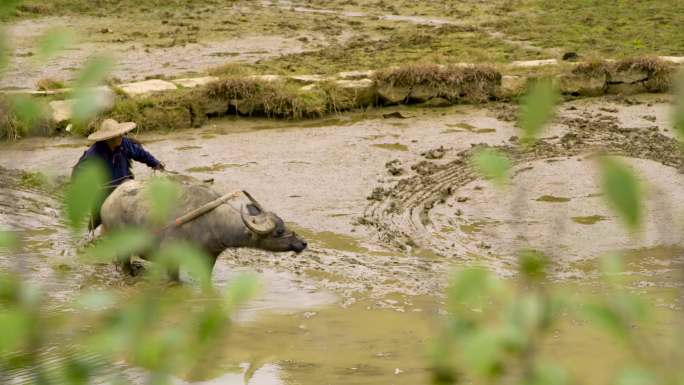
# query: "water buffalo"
229, 225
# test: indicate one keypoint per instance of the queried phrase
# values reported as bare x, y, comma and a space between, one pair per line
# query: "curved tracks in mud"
401, 213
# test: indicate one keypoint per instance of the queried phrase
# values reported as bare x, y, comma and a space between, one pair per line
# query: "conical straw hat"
110, 128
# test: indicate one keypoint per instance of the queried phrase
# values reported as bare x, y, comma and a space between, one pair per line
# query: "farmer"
115, 151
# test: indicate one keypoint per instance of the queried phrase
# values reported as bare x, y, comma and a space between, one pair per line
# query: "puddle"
331, 240
392, 146
552, 199
187, 148
472, 228
589, 220
71, 145
468, 127
214, 167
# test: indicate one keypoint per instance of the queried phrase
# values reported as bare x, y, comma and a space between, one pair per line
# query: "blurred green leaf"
79, 372
548, 374
528, 311
85, 192
537, 109
162, 194
52, 42
636, 376
15, 327
622, 190
8, 240
493, 165
633, 307
94, 72
4, 51
483, 352
88, 102
7, 7
678, 120
95, 300
607, 318
533, 264
241, 289
180, 255
119, 244
28, 110
88, 99
469, 287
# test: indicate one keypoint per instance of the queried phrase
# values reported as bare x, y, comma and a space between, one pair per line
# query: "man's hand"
160, 167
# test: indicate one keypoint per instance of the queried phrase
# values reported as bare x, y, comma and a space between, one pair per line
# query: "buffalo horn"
260, 224
254, 201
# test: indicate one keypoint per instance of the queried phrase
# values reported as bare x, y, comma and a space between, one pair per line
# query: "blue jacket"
118, 162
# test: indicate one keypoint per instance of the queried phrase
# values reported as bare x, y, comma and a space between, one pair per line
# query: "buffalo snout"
298, 246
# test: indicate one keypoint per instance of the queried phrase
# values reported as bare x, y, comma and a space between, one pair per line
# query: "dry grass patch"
273, 99
660, 74
47, 84
455, 83
592, 69
164, 111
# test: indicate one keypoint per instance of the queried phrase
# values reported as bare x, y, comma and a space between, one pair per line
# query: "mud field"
390, 206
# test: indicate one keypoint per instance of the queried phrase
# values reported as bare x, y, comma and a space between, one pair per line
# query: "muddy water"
360, 305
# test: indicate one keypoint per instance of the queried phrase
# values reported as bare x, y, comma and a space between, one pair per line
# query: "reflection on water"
268, 374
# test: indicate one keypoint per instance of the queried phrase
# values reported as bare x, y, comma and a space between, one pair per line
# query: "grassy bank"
281, 97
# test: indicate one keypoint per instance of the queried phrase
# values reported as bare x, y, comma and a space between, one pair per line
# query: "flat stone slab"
267, 78
361, 84
146, 87
308, 79
534, 63
673, 59
355, 75
61, 110
194, 82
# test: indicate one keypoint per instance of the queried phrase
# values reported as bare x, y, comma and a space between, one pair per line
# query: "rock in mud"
378, 194
436, 103
625, 88
583, 85
395, 115
393, 94
570, 56
422, 93
629, 75
437, 153
394, 167
424, 168
362, 92
60, 110
511, 87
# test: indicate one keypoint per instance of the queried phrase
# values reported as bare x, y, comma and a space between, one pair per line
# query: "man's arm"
139, 154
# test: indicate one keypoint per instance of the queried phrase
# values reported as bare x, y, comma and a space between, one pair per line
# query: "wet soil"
361, 303
135, 59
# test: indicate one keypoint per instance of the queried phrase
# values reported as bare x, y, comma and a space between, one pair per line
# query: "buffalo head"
270, 232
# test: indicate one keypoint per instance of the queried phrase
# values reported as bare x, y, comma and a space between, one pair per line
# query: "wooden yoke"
198, 212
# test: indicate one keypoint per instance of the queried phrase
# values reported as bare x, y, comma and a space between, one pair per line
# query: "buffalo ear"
260, 224
253, 210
